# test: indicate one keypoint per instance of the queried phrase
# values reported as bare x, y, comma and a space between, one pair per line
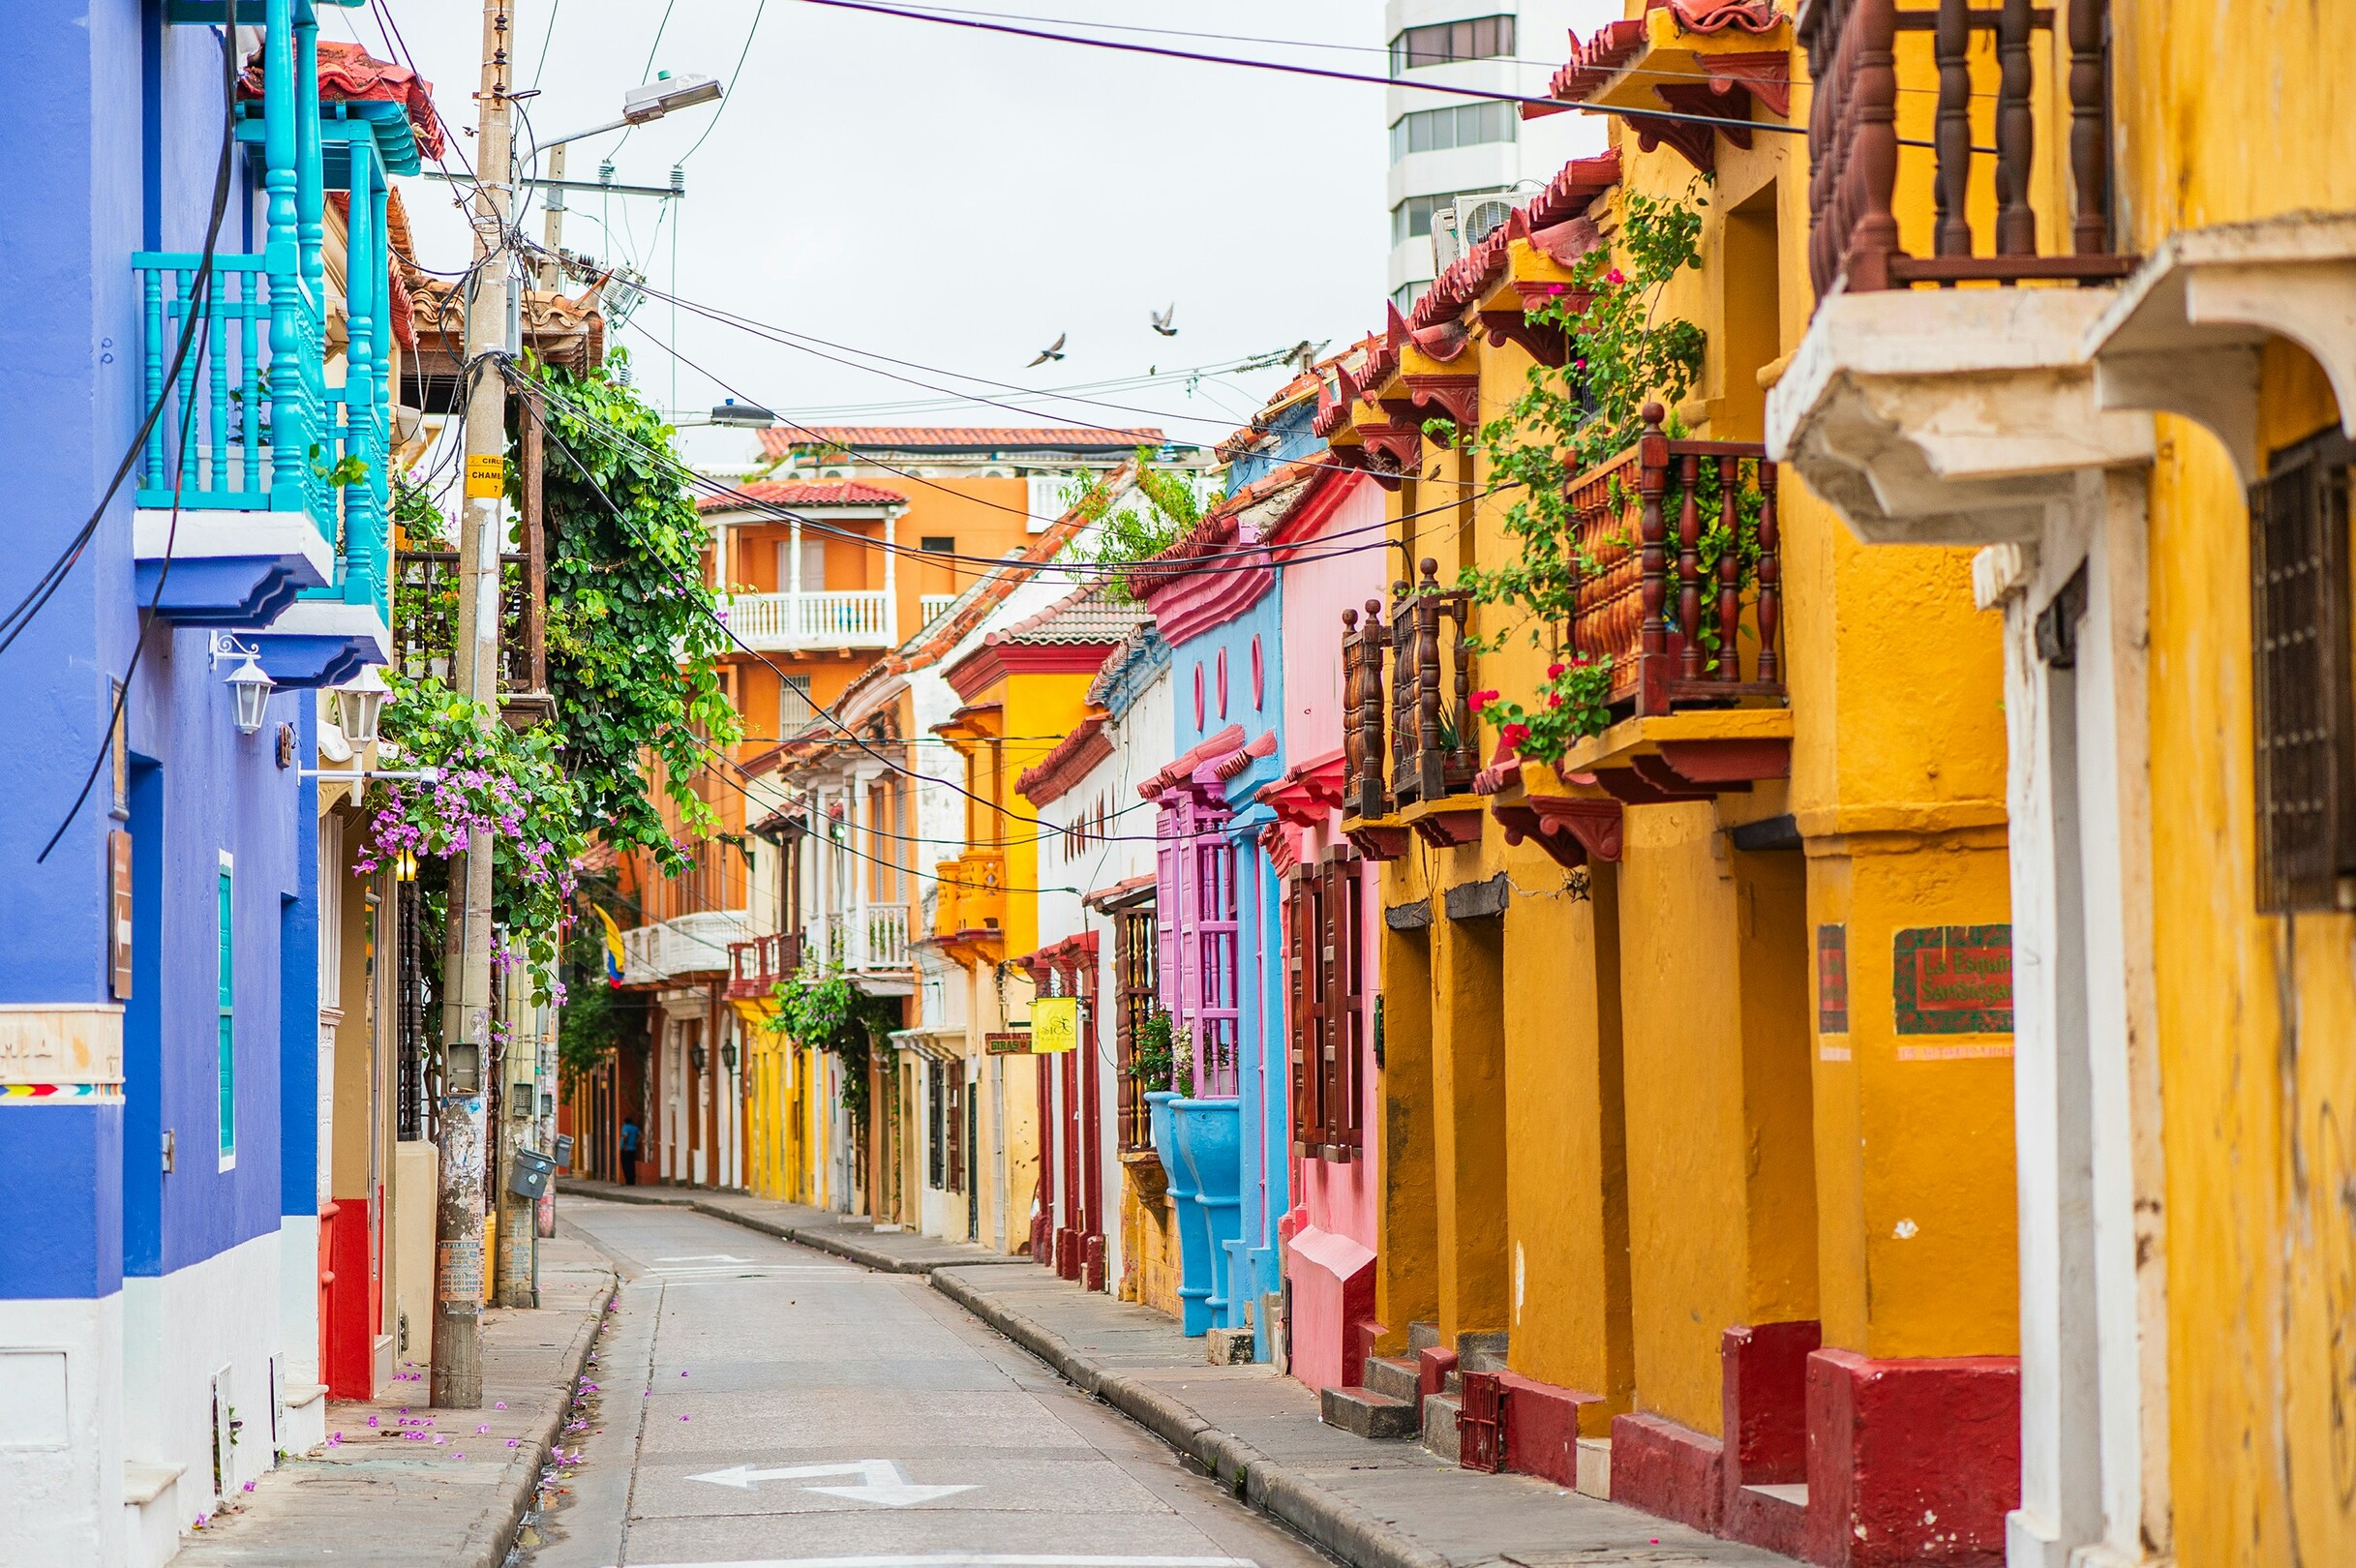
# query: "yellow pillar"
1406, 1277
1721, 1186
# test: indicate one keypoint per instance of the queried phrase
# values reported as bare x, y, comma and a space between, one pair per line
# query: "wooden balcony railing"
1425, 727
425, 616
1853, 144
756, 965
1651, 588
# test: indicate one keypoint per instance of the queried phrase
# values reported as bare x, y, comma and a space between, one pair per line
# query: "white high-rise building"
1445, 148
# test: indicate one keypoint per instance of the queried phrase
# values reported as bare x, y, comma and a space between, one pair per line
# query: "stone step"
1482, 1352
1394, 1375
1454, 1387
1594, 1474
1422, 1336
1439, 1425
1367, 1413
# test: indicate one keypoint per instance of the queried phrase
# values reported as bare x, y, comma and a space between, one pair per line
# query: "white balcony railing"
786, 621
933, 606
685, 944
864, 941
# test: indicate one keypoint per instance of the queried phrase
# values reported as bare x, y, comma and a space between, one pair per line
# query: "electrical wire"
196, 304
1491, 95
1250, 557
734, 78
201, 303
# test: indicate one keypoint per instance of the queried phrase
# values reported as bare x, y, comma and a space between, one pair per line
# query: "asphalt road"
911, 1435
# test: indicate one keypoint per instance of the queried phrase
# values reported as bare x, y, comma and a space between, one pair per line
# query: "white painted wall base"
61, 1431
302, 1415
181, 1330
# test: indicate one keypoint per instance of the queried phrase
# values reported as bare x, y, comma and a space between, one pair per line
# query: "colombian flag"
613, 946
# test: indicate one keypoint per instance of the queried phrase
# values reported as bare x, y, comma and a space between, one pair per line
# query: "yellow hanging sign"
1055, 1024
486, 475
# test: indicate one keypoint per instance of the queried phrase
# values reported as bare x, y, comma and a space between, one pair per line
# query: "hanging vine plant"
821, 1008
633, 634
1568, 421
507, 784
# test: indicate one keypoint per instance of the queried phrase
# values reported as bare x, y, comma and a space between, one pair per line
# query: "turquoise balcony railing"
265, 418
217, 445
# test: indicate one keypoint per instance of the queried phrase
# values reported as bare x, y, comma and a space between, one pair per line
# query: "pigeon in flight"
1053, 350
1161, 320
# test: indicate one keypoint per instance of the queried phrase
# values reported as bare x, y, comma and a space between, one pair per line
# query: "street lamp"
742, 415
642, 106
358, 702
249, 683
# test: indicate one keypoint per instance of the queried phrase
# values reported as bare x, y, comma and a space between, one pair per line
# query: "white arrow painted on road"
881, 1481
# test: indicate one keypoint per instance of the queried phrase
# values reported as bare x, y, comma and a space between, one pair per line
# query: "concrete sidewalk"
1374, 1504
452, 1495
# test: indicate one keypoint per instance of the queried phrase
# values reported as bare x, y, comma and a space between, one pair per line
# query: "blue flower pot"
1209, 1135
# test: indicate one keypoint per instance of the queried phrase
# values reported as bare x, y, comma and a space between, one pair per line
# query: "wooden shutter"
1300, 997
1349, 951
2300, 655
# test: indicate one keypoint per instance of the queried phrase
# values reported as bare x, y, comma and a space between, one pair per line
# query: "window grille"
1134, 1000
2299, 656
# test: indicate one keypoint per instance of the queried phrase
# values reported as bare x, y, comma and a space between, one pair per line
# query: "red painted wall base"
1911, 1461
1764, 1411
1669, 1469
1543, 1425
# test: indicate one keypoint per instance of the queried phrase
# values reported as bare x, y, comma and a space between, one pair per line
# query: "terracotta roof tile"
785, 440
347, 72
803, 493
1084, 616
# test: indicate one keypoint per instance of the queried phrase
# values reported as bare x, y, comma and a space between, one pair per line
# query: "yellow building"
2157, 463
1698, 1092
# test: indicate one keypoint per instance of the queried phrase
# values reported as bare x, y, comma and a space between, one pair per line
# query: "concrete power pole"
466, 1016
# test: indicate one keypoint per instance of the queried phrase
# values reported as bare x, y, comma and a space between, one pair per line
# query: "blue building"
198, 343
1221, 894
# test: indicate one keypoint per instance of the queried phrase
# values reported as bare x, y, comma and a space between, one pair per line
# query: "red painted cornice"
992, 662
1067, 764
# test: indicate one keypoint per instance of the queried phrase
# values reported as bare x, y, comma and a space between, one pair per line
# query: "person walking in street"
630, 1151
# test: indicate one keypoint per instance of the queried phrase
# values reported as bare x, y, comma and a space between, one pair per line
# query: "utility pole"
465, 1031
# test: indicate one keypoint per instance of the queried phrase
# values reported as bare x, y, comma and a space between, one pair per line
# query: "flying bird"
1053, 350
1161, 320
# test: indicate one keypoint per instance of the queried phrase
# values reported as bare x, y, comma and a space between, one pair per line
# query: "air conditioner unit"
1479, 217
1446, 246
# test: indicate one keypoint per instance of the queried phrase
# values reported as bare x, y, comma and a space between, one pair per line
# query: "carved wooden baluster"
1467, 736
1689, 569
2090, 126
2015, 130
1730, 570
1373, 794
1354, 744
1822, 115
1954, 43
1403, 695
1770, 577
1870, 175
1431, 758
1653, 638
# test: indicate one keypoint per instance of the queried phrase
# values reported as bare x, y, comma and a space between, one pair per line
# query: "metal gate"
1480, 1425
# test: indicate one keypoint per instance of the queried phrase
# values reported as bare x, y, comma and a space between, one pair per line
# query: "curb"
1278, 1491
508, 1516
823, 1239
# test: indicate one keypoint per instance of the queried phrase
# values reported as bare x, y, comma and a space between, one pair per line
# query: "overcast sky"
954, 199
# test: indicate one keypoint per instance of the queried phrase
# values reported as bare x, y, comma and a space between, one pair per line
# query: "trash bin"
527, 1175
564, 1151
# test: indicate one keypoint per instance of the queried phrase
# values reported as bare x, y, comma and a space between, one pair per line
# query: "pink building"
1330, 555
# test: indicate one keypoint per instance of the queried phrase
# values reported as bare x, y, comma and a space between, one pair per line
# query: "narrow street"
913, 1434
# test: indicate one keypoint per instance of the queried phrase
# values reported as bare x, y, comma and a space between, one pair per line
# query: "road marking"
881, 1481
968, 1559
